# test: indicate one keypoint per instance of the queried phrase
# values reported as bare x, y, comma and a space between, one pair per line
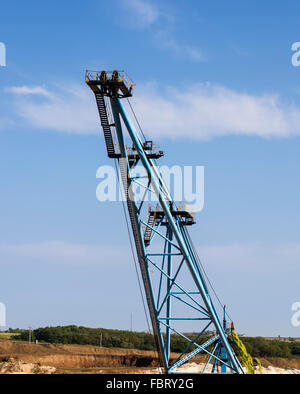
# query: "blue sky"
215, 87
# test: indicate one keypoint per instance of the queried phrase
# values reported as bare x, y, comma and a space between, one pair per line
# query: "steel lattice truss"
177, 295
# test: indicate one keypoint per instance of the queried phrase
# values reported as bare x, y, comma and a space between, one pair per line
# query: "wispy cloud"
144, 13
29, 90
200, 112
206, 110
70, 110
60, 252
255, 258
258, 282
166, 40
148, 15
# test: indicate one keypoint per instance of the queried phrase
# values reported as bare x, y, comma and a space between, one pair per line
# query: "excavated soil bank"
75, 356
91, 359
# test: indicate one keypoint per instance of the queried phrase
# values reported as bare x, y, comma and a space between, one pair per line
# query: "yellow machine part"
245, 357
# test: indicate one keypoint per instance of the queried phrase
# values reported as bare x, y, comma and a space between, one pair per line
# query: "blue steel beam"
141, 252
194, 353
176, 246
159, 188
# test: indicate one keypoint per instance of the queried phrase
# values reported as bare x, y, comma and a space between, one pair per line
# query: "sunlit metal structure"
174, 282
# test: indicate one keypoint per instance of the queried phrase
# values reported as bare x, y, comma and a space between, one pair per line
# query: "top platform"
115, 84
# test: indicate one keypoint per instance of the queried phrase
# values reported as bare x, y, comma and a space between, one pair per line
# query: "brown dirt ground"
76, 358
91, 359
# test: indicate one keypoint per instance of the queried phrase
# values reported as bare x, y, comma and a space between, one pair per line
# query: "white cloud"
59, 252
71, 110
147, 15
29, 90
195, 53
202, 111
144, 12
206, 110
164, 39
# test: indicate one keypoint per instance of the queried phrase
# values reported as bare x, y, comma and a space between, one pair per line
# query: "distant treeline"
257, 347
102, 337
261, 347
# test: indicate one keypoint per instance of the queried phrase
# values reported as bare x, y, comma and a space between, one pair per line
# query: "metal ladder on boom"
174, 282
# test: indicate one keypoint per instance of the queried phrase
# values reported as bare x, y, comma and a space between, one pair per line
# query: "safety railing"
116, 76
154, 151
184, 207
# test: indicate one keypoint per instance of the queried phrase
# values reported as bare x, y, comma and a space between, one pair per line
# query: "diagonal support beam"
194, 352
